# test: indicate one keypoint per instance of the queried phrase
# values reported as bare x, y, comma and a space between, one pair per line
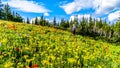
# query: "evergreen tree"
62, 22
13, 16
1, 10
42, 20
71, 23
76, 21
91, 24
7, 12
67, 24
36, 21
83, 24
58, 24
28, 21
54, 21
100, 23
19, 18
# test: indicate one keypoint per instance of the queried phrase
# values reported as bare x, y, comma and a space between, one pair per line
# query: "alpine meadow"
59, 34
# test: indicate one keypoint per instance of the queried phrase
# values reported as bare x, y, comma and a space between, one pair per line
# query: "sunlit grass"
26, 45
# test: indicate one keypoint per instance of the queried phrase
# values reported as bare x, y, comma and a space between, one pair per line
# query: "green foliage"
54, 22
64, 24
42, 46
36, 21
41, 21
87, 26
1, 10
28, 21
7, 14
94, 28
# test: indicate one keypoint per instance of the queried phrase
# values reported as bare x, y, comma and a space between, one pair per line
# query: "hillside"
26, 45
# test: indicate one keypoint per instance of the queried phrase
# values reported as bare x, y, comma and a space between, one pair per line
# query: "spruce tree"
54, 21
36, 21
28, 21
42, 20
7, 12
1, 10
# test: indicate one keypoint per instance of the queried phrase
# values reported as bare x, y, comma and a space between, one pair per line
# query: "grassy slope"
42, 44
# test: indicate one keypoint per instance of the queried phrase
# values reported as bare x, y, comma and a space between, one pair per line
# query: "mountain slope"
26, 45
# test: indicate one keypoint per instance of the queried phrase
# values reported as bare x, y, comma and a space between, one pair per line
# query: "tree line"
7, 14
98, 29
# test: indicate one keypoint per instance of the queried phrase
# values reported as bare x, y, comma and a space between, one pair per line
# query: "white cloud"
32, 21
46, 14
79, 17
70, 8
76, 6
28, 6
49, 20
101, 6
72, 18
114, 16
85, 16
106, 6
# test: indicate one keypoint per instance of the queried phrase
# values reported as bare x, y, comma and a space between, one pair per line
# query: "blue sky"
105, 9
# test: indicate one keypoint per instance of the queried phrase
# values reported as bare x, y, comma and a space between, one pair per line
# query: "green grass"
52, 48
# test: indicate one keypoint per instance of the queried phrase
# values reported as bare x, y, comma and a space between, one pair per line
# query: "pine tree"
36, 21
54, 21
1, 10
42, 20
76, 21
67, 24
62, 22
13, 16
7, 12
18, 18
28, 21
91, 24
82, 23
83, 26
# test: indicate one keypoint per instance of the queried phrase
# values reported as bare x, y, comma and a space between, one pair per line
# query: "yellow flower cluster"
48, 47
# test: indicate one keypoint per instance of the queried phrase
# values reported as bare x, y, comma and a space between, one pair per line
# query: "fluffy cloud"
46, 14
72, 18
76, 6
49, 20
100, 6
106, 6
114, 16
85, 16
32, 21
28, 6
79, 17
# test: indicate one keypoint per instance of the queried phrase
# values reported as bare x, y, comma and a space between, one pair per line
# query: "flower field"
32, 46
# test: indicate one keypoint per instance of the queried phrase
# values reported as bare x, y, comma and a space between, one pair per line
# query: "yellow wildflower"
1, 56
8, 64
45, 62
25, 56
28, 60
71, 60
99, 66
